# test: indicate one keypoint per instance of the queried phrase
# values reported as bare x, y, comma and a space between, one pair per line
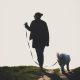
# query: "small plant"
57, 71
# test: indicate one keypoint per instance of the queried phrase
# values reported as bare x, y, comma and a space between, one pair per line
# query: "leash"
33, 57
31, 51
52, 64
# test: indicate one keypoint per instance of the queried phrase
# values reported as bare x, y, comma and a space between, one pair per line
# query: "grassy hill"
19, 73
31, 73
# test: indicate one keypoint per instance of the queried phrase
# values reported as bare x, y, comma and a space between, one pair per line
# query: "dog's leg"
68, 67
62, 69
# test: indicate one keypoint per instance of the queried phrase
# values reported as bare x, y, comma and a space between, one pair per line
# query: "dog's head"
63, 58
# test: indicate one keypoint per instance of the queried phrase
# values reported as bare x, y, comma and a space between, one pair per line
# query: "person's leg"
40, 56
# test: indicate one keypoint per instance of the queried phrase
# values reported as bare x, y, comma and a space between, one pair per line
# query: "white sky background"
63, 20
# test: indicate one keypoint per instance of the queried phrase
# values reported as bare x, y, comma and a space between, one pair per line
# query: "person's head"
38, 15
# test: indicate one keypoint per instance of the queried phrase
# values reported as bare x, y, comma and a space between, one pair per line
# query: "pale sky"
62, 18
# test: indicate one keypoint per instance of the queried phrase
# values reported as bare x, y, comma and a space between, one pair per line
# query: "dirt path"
63, 77
45, 77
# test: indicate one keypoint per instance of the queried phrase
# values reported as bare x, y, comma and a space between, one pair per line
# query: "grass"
27, 73
75, 74
19, 73
57, 71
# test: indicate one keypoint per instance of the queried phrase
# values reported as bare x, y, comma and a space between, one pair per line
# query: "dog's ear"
58, 55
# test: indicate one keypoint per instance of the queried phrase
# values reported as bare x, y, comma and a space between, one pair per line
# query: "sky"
62, 18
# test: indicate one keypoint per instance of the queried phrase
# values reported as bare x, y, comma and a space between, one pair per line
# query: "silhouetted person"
39, 35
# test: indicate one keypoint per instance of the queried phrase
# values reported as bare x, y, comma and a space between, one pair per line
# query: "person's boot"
41, 69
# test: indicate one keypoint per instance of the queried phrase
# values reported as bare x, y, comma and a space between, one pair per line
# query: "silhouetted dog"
63, 60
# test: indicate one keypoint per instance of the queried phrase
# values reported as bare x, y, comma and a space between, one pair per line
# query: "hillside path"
45, 77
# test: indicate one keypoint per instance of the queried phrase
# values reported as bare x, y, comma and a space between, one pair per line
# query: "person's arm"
47, 34
27, 27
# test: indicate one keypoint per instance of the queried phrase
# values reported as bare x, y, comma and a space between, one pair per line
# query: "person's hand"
26, 25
